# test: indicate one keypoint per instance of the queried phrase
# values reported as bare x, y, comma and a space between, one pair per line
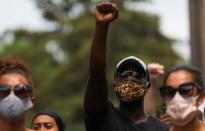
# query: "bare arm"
150, 102
96, 91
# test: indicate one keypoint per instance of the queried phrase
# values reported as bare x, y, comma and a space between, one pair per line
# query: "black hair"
196, 73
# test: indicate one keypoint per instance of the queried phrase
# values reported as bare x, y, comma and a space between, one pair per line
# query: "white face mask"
12, 107
201, 108
182, 110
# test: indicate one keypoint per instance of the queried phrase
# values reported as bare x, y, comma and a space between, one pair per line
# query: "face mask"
201, 108
12, 108
182, 110
129, 90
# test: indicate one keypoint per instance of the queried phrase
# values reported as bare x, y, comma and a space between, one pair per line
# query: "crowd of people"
134, 84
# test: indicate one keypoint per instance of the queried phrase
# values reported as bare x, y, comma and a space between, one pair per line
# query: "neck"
134, 111
194, 125
12, 126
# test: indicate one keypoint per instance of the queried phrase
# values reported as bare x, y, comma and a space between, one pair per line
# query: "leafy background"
59, 58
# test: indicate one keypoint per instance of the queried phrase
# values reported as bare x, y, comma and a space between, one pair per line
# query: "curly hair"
11, 64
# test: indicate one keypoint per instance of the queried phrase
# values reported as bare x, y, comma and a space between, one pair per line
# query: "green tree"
59, 58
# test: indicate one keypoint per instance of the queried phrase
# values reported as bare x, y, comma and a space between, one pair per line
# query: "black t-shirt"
113, 120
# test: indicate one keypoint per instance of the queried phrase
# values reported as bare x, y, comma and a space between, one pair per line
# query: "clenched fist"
155, 71
106, 12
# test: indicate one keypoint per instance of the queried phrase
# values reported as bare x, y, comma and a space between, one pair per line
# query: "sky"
174, 21
20, 13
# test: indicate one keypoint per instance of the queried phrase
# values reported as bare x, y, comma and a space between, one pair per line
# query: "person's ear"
33, 100
148, 85
200, 99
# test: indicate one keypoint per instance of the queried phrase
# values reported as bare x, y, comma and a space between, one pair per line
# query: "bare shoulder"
27, 129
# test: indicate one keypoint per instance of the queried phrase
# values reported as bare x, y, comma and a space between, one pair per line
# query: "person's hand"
106, 12
155, 70
165, 118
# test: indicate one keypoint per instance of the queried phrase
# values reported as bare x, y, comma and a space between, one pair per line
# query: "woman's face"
177, 78
44, 123
17, 84
13, 79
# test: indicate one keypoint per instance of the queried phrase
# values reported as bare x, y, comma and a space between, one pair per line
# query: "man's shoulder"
109, 111
110, 120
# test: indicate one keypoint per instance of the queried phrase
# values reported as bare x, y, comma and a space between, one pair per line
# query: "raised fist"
155, 71
106, 12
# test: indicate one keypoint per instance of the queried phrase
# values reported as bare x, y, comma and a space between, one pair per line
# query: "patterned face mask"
129, 90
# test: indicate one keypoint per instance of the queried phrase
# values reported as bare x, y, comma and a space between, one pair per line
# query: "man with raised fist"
131, 82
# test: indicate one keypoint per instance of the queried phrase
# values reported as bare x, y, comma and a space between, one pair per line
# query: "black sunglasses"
185, 90
132, 73
21, 91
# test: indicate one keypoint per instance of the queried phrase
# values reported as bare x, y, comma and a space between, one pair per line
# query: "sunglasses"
21, 91
132, 73
186, 90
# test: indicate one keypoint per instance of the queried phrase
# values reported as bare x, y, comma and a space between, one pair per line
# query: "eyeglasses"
21, 91
185, 90
132, 73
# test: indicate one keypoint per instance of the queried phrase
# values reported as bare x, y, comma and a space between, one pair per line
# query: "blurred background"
53, 37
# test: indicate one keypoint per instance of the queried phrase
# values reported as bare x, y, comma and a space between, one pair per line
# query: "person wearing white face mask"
16, 94
183, 92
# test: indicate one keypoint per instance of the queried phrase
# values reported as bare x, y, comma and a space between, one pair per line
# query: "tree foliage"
59, 58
